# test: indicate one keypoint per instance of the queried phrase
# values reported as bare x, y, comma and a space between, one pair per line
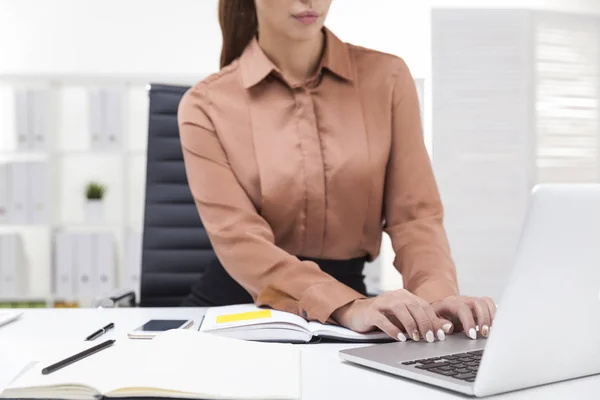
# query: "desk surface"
324, 376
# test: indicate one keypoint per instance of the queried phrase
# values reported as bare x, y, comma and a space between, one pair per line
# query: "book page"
239, 316
10, 367
182, 361
212, 366
341, 333
96, 372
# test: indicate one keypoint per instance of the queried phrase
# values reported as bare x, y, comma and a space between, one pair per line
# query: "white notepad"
175, 364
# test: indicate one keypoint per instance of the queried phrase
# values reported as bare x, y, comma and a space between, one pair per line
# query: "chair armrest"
119, 298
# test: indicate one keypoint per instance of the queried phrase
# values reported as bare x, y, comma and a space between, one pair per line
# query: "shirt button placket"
299, 97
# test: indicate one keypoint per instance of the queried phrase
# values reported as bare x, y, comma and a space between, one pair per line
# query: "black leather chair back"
176, 249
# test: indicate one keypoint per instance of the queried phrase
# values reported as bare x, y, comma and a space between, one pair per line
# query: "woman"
299, 153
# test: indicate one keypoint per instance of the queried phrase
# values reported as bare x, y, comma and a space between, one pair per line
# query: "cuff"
320, 301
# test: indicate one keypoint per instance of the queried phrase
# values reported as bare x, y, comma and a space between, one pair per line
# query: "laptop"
548, 319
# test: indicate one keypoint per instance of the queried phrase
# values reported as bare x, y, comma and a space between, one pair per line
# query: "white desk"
324, 376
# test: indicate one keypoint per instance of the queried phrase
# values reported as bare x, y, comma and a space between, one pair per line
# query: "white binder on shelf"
13, 274
84, 265
18, 209
96, 99
64, 267
38, 192
4, 193
113, 118
131, 271
23, 118
106, 118
40, 128
105, 258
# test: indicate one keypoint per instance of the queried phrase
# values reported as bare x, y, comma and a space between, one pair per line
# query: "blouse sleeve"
413, 209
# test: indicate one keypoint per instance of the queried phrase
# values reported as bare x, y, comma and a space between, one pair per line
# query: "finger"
477, 311
438, 323
482, 313
404, 317
448, 312
447, 326
424, 324
461, 315
383, 323
465, 315
491, 307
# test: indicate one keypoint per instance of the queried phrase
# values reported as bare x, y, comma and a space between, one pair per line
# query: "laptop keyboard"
462, 366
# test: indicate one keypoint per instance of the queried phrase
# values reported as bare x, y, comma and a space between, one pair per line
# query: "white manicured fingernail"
401, 337
429, 336
441, 335
472, 333
447, 327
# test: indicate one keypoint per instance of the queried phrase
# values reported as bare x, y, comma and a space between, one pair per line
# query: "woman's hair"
238, 25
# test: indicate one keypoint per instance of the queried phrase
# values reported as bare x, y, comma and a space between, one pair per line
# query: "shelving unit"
73, 161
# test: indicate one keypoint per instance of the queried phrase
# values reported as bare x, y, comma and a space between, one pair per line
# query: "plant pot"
94, 211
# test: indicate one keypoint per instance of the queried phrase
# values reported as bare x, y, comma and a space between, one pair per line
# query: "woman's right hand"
400, 314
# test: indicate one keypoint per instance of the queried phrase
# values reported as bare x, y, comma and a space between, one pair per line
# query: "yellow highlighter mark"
246, 316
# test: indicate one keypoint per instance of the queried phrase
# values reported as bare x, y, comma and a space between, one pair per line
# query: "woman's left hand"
465, 313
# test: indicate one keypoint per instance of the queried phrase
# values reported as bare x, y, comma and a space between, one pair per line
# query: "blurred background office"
509, 90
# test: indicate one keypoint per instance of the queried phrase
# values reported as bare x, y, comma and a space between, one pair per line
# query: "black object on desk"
100, 332
77, 357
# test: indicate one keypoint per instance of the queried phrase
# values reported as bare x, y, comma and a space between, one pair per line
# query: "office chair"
175, 246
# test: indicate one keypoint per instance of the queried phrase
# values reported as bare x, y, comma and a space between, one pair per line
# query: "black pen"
100, 332
77, 357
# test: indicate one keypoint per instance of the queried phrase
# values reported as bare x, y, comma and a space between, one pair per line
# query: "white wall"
182, 37
108, 36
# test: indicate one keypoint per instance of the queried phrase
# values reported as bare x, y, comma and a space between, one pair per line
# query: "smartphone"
155, 326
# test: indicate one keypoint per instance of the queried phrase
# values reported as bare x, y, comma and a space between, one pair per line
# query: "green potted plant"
94, 194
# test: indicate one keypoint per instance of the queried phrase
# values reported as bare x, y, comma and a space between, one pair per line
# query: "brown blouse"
316, 170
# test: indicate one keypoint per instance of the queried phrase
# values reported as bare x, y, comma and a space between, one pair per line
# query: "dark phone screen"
159, 325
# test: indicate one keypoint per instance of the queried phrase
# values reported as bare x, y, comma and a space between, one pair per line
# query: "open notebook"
249, 322
175, 364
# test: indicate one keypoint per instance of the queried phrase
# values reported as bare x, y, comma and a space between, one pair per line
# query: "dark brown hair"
238, 25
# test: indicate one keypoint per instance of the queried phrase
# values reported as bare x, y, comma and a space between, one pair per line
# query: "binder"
84, 266
64, 268
3, 263
38, 193
11, 266
39, 128
22, 118
106, 118
18, 193
4, 193
96, 97
113, 118
130, 273
105, 258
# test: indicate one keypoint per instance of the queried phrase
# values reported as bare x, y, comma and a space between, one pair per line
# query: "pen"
77, 357
100, 332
